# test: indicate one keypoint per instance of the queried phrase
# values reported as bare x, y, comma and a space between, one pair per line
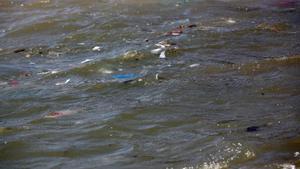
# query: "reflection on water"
82, 84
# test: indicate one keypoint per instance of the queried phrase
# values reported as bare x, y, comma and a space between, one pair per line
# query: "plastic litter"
86, 60
19, 50
288, 166
296, 154
194, 65
192, 26
105, 71
63, 83
96, 48
177, 31
126, 76
156, 76
163, 46
231, 21
162, 55
61, 113
48, 72
253, 129
157, 51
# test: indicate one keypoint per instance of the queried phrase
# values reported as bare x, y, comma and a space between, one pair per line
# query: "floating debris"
192, 26
48, 72
288, 166
126, 76
159, 77
61, 113
157, 51
177, 31
63, 83
156, 76
162, 55
230, 21
163, 46
96, 48
194, 65
105, 71
19, 50
86, 60
252, 128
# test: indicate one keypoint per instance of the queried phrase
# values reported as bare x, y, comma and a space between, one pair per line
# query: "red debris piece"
55, 114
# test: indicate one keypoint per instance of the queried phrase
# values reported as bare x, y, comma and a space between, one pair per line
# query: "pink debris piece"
61, 113
13, 83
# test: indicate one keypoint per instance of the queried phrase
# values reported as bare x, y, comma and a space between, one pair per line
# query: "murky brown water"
81, 88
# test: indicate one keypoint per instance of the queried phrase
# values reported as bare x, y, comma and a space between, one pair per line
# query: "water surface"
226, 96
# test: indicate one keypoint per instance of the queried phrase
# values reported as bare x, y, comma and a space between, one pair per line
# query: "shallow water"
226, 96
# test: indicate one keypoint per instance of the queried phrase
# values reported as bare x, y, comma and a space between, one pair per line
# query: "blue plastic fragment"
126, 76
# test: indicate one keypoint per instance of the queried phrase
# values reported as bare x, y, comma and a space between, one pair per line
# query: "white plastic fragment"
43, 73
48, 72
296, 154
156, 76
86, 60
231, 21
105, 71
162, 55
288, 166
161, 50
194, 65
96, 48
54, 72
157, 51
63, 83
